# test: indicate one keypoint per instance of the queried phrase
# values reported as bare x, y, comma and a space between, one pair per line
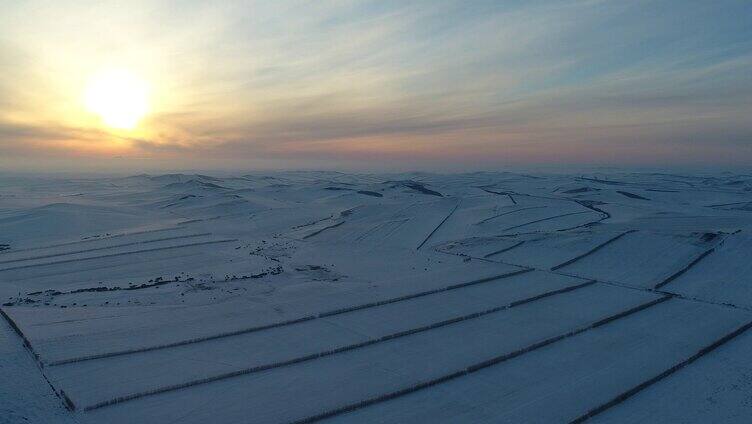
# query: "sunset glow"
119, 98
361, 84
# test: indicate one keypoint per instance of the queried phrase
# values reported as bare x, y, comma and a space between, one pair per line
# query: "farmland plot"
317, 296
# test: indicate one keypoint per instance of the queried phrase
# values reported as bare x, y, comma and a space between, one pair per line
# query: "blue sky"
382, 84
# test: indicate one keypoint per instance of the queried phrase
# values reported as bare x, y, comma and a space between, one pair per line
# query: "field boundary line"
546, 219
50, 246
67, 403
113, 255
506, 249
317, 232
647, 383
476, 367
446, 218
509, 213
287, 322
686, 268
342, 349
75, 252
591, 251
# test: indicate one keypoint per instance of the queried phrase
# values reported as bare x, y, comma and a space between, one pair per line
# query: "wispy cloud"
426, 83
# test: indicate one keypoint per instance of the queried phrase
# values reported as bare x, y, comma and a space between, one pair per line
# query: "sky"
377, 85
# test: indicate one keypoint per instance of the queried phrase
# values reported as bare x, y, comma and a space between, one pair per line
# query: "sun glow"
118, 97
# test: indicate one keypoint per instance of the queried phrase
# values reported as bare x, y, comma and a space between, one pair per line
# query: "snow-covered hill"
301, 297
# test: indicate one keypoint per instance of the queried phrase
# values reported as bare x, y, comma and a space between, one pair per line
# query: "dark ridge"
206, 177
678, 273
370, 193
195, 183
506, 249
728, 204
501, 193
315, 233
665, 174
337, 189
607, 182
189, 196
591, 204
414, 185
631, 195
580, 190
160, 178
210, 185
336, 182
737, 206
312, 222
439, 226
544, 219
191, 221
708, 237
591, 251
507, 213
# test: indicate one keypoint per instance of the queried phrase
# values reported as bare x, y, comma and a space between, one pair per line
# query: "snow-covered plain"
296, 297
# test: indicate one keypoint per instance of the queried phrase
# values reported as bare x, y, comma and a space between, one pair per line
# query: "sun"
118, 97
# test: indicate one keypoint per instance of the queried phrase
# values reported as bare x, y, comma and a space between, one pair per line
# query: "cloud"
428, 82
